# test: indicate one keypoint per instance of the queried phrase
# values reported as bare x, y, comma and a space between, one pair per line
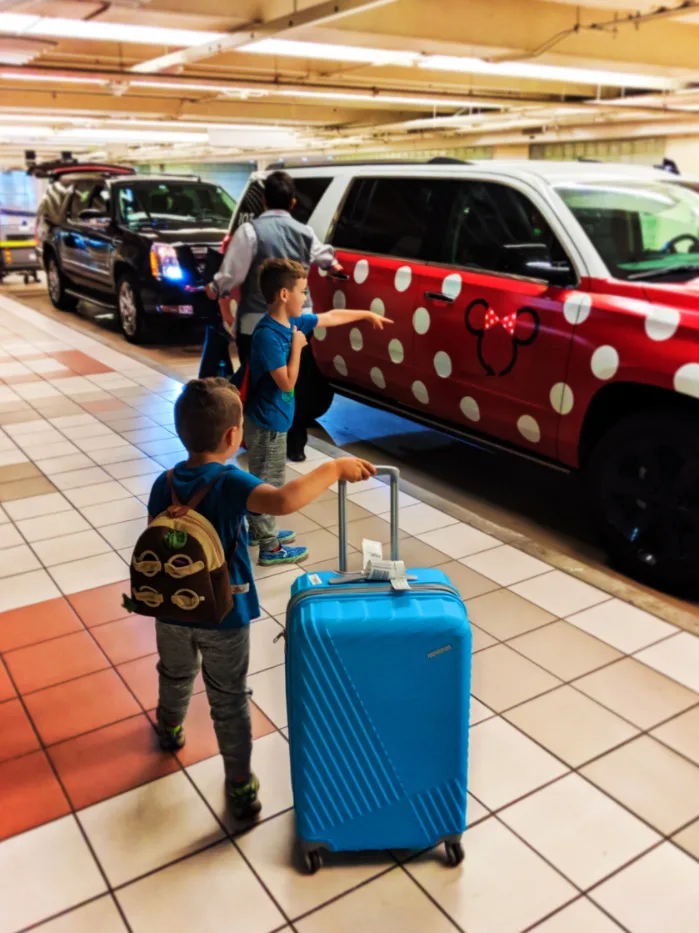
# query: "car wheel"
644, 478
56, 282
131, 314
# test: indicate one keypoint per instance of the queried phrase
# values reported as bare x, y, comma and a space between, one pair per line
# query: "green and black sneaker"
244, 800
171, 738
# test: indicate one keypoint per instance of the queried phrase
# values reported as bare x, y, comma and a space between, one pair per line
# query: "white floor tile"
140, 485
677, 657
89, 573
27, 588
580, 917
161, 448
45, 871
51, 466
11, 456
390, 903
169, 461
74, 386
100, 916
52, 526
80, 478
378, 500
622, 625
264, 651
9, 536
167, 817
44, 451
560, 593
113, 455
270, 849
16, 560
133, 467
101, 492
658, 892
70, 547
35, 506
103, 442
274, 591
502, 886
122, 423
580, 830
421, 518
111, 512
34, 390
124, 534
506, 565
73, 421
209, 892
459, 540
270, 762
143, 435
504, 764
269, 693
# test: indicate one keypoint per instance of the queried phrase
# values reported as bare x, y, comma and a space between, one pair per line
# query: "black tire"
312, 862
455, 853
644, 480
57, 284
132, 318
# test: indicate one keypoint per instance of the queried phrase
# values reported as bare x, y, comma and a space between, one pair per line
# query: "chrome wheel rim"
127, 309
54, 281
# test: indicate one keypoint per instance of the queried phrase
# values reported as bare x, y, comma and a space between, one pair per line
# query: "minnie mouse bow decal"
499, 339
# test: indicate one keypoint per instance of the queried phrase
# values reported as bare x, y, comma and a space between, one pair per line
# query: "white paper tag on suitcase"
372, 551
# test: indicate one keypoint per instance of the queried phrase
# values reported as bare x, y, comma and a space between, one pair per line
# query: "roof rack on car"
437, 160
59, 167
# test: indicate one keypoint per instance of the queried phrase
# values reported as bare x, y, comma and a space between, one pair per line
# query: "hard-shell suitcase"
378, 691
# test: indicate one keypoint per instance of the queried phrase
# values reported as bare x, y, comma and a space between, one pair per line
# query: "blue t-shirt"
266, 404
225, 507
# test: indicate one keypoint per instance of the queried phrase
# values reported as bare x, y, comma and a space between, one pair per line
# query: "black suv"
143, 245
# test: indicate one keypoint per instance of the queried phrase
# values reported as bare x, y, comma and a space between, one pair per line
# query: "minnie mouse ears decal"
499, 338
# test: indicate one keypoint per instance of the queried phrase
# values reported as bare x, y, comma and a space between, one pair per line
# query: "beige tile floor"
584, 754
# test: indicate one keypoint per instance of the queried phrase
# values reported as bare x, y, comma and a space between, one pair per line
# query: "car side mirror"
534, 261
92, 216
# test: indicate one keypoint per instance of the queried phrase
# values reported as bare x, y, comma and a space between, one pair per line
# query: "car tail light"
164, 263
225, 243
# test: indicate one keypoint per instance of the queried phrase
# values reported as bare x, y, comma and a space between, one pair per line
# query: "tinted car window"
80, 198
485, 218
391, 217
174, 204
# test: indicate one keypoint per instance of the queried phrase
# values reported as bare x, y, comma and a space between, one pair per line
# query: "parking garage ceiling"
151, 80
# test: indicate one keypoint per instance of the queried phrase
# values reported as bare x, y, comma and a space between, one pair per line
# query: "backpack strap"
177, 508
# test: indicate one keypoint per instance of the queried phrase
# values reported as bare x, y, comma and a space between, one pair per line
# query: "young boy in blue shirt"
209, 422
275, 357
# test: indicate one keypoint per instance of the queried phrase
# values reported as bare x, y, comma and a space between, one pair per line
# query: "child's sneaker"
171, 738
283, 537
244, 800
282, 555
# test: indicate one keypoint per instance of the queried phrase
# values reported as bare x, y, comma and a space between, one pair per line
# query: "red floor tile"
30, 794
80, 705
23, 377
106, 404
52, 662
103, 604
32, 624
126, 639
142, 678
17, 737
7, 691
80, 362
199, 728
110, 761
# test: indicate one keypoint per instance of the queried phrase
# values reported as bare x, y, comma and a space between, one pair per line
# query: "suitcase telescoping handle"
394, 475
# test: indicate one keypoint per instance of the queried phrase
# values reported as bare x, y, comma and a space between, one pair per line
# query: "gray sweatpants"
223, 655
267, 461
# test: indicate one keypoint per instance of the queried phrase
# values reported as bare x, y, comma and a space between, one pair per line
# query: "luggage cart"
18, 247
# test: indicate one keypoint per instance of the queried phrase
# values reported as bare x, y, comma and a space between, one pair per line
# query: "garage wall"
685, 152
644, 151
231, 176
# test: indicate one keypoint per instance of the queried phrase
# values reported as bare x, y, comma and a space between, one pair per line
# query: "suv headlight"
164, 263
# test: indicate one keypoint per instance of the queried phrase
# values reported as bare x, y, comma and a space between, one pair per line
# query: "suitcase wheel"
312, 861
455, 853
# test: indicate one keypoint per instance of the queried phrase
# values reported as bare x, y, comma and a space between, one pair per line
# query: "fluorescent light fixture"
179, 86
52, 78
539, 72
23, 131
326, 52
107, 134
58, 28
405, 100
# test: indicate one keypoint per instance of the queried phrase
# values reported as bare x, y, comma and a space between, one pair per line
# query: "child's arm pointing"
339, 318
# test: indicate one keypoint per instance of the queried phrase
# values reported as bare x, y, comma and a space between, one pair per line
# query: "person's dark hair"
205, 410
280, 191
276, 274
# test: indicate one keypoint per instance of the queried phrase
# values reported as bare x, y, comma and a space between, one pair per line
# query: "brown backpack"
178, 569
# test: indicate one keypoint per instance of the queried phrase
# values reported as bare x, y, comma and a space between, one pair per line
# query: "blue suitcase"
378, 693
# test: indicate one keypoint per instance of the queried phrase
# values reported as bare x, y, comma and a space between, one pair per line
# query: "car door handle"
439, 296
339, 276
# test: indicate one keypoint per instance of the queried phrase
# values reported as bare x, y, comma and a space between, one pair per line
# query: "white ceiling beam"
318, 14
